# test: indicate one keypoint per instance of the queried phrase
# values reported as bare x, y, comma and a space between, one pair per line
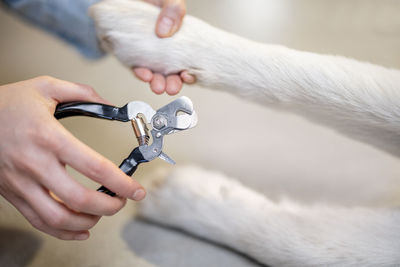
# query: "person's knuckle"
45, 81
43, 136
15, 158
50, 139
24, 164
122, 204
7, 182
57, 219
37, 223
113, 209
88, 90
79, 202
91, 91
93, 222
97, 168
14, 183
39, 136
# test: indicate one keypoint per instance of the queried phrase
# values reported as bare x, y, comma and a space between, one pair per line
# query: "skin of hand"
34, 152
168, 23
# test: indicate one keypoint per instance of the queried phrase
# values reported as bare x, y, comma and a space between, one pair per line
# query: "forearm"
359, 99
279, 75
66, 19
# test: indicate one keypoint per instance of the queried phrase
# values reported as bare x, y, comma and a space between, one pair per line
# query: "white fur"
359, 99
278, 234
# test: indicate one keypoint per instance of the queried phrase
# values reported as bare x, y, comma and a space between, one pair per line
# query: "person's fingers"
143, 74
187, 78
53, 213
38, 223
76, 196
174, 84
63, 91
79, 156
158, 83
170, 19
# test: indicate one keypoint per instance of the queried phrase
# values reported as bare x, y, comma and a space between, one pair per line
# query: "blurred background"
278, 154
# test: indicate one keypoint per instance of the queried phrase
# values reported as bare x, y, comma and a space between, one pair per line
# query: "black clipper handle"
95, 110
128, 166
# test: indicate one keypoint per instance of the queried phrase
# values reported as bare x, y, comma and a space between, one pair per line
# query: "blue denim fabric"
67, 19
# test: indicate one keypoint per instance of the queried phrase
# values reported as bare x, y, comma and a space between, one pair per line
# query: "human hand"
168, 22
34, 151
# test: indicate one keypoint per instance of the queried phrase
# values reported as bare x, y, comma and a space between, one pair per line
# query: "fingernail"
165, 26
83, 236
139, 194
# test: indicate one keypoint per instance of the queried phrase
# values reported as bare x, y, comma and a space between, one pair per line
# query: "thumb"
63, 91
170, 19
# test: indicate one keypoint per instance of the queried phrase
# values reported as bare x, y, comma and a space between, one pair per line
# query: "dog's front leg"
360, 99
220, 209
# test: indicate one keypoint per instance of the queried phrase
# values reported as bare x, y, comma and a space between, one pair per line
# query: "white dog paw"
187, 193
128, 29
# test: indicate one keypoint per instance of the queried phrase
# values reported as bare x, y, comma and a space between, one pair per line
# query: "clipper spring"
141, 131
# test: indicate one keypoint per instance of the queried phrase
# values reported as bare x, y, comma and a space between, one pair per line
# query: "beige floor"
277, 154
